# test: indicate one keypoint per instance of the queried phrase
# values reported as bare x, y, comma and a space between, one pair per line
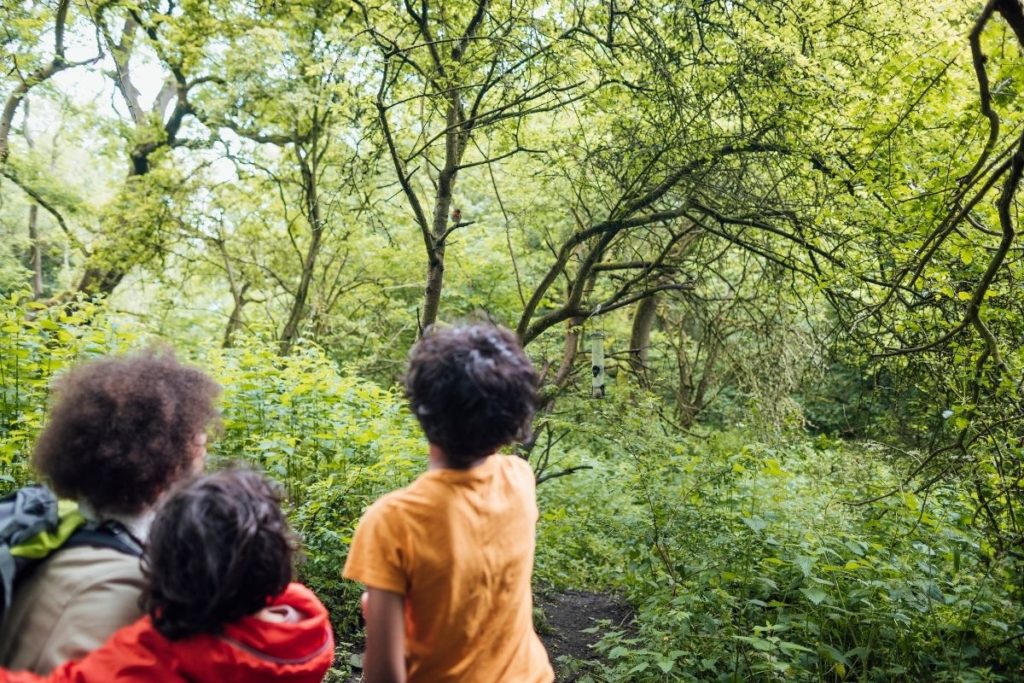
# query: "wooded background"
792, 225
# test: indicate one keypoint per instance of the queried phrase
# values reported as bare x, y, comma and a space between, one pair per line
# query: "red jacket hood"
253, 650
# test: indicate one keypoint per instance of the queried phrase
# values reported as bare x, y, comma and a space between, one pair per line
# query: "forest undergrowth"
743, 555
747, 559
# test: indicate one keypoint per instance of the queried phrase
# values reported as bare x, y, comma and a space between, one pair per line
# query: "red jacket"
250, 650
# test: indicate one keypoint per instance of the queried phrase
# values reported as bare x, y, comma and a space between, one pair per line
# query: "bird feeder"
597, 364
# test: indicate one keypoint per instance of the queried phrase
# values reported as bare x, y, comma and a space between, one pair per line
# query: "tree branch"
9, 173
43, 73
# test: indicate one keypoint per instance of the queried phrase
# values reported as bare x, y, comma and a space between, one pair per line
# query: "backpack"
34, 524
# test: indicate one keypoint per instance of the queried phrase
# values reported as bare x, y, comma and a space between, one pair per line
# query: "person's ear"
198, 452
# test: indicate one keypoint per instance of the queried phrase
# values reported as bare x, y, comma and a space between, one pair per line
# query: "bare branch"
39, 199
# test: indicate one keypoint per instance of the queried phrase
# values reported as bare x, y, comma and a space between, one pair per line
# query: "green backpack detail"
34, 524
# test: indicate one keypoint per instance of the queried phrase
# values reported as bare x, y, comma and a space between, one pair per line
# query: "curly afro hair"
122, 430
219, 549
473, 390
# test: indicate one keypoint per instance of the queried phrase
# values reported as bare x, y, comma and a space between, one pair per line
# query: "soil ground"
566, 616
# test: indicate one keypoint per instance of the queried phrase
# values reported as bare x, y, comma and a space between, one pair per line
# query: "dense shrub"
36, 343
749, 561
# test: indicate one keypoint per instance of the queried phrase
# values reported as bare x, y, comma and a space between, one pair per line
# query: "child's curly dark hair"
122, 430
472, 388
219, 549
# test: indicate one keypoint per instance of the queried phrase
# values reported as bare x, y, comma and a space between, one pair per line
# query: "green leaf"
761, 644
815, 595
756, 524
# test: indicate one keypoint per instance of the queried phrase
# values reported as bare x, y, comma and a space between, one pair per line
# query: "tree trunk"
707, 376
115, 256
113, 259
44, 72
432, 292
235, 319
435, 257
36, 251
685, 405
640, 338
97, 280
573, 329
315, 220
454, 144
237, 295
298, 311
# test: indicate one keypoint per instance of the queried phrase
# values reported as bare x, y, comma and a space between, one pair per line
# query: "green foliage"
744, 560
36, 343
793, 179
335, 442
749, 561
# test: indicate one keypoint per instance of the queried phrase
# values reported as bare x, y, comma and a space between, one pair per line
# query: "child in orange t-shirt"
447, 560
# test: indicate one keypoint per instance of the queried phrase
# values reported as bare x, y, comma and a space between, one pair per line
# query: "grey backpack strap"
110, 534
6, 576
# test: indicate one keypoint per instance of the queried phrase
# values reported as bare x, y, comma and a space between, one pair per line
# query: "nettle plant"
333, 441
753, 561
37, 342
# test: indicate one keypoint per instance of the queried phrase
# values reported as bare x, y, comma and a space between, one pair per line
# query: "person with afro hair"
120, 432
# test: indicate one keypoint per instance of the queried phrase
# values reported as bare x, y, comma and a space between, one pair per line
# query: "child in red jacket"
220, 604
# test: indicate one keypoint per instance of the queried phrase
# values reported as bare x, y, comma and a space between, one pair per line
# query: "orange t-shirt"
458, 544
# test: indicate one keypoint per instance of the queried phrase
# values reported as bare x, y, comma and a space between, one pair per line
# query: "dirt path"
566, 616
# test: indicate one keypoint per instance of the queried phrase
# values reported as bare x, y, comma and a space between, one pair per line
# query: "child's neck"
437, 460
